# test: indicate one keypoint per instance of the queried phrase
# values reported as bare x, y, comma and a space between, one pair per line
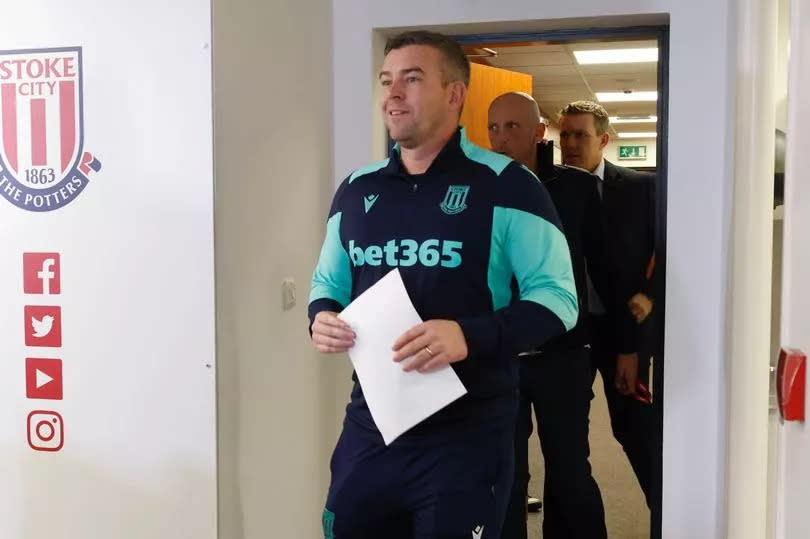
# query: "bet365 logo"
408, 253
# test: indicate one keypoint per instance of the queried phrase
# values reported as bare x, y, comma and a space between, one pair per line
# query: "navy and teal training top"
459, 234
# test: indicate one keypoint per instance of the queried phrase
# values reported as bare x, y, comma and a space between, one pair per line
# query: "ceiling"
558, 79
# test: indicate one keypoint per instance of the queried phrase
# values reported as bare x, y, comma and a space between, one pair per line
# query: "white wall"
698, 202
749, 282
781, 80
776, 338
138, 457
277, 416
780, 96
794, 467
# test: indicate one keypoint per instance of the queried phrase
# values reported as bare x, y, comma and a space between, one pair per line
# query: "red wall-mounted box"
790, 383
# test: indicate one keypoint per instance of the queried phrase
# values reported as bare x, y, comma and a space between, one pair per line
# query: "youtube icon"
43, 378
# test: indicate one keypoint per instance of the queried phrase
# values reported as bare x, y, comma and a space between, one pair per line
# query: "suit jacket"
628, 210
576, 197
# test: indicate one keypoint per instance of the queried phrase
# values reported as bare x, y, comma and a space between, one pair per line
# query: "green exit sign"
632, 152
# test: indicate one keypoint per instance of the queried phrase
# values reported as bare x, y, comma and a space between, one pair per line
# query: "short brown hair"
601, 120
456, 65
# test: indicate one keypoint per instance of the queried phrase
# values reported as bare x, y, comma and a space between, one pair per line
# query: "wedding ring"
429, 351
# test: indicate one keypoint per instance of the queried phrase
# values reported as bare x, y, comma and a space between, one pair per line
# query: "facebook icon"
41, 273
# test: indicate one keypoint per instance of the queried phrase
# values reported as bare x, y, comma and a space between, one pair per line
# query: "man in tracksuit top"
460, 223
556, 379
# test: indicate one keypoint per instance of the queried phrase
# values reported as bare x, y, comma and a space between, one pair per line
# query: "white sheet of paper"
398, 400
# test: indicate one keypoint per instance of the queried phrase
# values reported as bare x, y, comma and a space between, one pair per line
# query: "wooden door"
487, 83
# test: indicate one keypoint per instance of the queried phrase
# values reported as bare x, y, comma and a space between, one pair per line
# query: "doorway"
625, 70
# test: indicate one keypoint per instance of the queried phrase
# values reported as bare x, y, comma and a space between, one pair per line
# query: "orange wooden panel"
487, 83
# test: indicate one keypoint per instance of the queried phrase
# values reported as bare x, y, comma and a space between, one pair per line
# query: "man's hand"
330, 334
641, 306
626, 373
432, 344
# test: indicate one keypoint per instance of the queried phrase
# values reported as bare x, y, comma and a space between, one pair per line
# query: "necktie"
595, 304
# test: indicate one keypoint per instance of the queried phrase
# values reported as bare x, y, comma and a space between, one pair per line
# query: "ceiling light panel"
616, 56
616, 97
633, 119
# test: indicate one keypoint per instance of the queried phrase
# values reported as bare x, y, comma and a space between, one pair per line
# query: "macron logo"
370, 200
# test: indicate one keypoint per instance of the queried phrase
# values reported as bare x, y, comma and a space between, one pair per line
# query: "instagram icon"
46, 431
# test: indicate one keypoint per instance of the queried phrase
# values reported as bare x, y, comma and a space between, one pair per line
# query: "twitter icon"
43, 326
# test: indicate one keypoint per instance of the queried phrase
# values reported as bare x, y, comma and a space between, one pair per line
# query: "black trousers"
412, 490
633, 422
557, 385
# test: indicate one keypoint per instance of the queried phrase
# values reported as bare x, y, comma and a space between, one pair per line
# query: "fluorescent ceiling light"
616, 56
612, 97
640, 134
488, 53
633, 119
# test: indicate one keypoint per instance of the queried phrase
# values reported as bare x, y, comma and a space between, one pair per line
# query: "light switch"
288, 294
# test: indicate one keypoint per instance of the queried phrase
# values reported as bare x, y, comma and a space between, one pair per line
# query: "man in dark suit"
618, 323
556, 380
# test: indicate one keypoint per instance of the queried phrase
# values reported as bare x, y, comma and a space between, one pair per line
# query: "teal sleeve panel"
540, 259
332, 278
